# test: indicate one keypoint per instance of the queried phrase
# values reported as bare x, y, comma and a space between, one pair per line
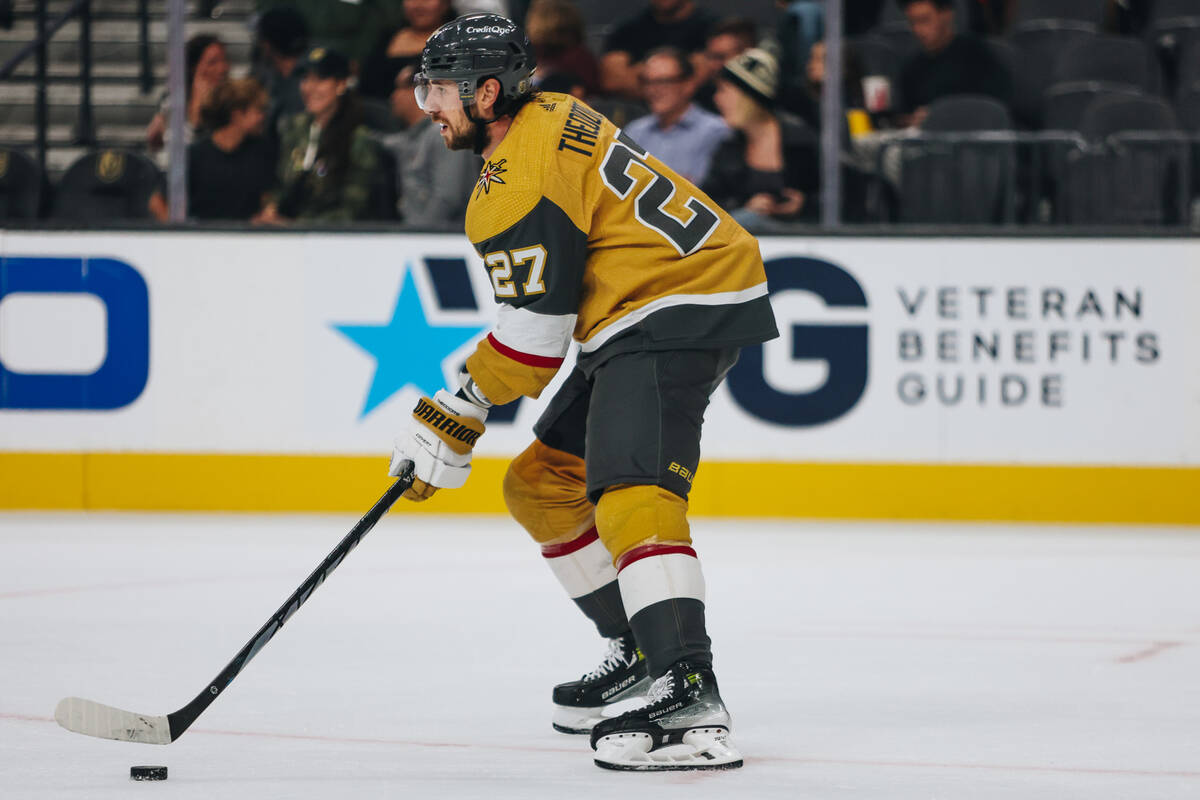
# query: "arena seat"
21, 185
1040, 43
1133, 174
106, 185
1089, 12
961, 181
1112, 59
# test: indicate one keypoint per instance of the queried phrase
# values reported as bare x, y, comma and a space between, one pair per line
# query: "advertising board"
963, 378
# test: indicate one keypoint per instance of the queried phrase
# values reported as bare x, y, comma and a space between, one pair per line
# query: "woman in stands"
767, 172
326, 155
207, 67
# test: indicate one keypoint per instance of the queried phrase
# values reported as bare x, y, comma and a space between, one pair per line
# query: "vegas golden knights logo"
110, 166
491, 174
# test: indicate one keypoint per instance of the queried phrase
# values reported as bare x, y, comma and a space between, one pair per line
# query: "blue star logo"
408, 350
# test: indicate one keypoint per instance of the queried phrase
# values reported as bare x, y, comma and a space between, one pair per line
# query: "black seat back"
967, 112
106, 185
1065, 103
947, 180
21, 183
1112, 59
1134, 172
1086, 11
1040, 43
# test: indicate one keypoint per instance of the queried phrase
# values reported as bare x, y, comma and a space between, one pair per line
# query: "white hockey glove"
438, 443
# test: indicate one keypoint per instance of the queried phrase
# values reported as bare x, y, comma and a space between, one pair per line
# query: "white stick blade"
95, 719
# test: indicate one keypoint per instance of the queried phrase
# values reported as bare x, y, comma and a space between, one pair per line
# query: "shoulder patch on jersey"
490, 175
549, 106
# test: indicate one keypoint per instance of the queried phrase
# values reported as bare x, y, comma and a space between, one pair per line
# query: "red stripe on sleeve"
648, 550
566, 548
528, 359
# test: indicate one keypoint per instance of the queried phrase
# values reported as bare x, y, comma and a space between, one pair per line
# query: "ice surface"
859, 661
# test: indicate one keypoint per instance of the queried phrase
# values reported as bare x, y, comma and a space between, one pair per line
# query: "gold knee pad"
632, 516
546, 491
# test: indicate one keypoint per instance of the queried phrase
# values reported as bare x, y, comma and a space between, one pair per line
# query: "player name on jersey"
582, 128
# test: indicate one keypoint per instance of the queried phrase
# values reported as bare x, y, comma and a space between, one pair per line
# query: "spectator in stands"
678, 23
946, 64
556, 31
730, 37
766, 173
433, 182
681, 134
403, 47
805, 100
207, 67
282, 42
230, 171
326, 155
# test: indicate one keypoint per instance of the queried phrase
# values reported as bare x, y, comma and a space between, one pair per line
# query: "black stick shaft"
184, 717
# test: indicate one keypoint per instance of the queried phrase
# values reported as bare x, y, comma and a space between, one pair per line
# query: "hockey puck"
148, 773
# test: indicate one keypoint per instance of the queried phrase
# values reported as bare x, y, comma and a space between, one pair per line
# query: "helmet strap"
481, 138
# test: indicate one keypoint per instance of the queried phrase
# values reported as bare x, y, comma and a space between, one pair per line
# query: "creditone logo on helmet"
480, 46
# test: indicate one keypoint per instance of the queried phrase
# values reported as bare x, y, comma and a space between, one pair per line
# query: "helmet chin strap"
481, 140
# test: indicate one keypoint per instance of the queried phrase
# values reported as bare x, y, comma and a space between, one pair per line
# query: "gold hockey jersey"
586, 236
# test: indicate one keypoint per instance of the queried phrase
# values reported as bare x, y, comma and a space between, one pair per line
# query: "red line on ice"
1150, 652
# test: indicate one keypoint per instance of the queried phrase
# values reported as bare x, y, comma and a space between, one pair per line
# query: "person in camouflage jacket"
326, 156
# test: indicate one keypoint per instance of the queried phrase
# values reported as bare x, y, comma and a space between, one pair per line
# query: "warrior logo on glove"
453, 430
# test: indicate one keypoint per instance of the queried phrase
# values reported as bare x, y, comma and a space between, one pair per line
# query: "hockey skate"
682, 726
578, 705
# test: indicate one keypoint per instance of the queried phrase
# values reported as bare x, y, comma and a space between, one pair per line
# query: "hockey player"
586, 236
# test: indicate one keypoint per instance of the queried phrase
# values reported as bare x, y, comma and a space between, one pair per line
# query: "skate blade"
569, 719
579, 720
702, 748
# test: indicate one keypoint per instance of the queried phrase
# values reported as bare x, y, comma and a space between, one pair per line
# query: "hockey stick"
95, 719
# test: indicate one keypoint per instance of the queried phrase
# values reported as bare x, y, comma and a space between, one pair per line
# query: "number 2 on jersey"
649, 206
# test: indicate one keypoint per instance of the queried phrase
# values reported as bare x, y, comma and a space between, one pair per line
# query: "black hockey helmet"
475, 47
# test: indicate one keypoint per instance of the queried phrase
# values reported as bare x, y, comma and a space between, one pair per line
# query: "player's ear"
487, 95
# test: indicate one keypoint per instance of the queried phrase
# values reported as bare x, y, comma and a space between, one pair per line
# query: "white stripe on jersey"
634, 317
546, 335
